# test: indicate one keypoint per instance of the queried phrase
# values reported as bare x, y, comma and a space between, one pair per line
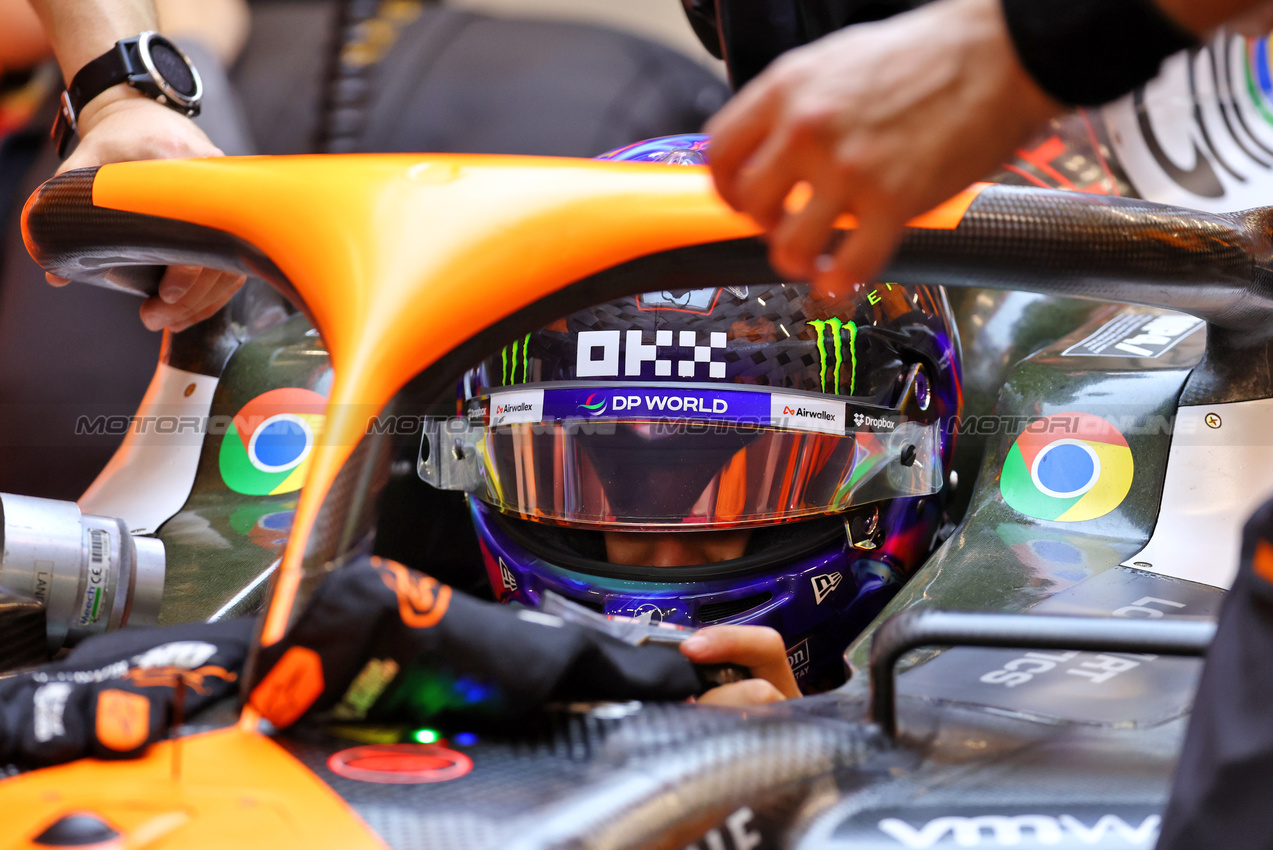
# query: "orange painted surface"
402, 257
235, 789
944, 216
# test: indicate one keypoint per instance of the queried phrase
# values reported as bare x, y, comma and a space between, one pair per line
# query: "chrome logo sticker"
1067, 467
266, 448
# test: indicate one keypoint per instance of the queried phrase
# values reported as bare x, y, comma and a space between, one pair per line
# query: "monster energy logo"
837, 327
510, 377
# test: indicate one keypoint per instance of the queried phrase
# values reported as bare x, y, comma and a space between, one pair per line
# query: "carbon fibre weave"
582, 781
1216, 266
68, 235
348, 512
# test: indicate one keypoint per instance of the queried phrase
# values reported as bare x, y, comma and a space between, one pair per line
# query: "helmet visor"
680, 457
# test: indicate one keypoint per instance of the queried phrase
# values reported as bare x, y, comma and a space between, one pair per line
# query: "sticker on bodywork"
1067, 467
1143, 335
1018, 825
1085, 687
267, 446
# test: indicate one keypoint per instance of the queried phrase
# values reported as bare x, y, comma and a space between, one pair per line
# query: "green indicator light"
426, 736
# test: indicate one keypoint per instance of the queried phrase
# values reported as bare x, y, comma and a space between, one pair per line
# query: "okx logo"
266, 448
834, 329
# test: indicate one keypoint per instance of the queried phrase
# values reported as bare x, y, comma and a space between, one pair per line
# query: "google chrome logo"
1067, 467
265, 450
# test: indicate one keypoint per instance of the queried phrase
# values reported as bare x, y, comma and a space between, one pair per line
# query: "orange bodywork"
232, 788
400, 258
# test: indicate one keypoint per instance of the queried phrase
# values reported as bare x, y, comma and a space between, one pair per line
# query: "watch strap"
124, 63
110, 69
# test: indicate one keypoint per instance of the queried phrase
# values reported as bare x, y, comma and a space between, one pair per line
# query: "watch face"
173, 67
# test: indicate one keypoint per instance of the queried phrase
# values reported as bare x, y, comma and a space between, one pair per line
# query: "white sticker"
99, 551
517, 406
49, 707
806, 414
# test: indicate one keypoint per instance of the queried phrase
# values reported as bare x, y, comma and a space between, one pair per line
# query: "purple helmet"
815, 447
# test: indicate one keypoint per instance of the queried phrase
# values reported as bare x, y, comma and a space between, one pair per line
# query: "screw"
189, 391
909, 453
1212, 420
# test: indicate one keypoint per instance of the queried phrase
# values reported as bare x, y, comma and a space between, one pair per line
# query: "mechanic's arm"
120, 125
755, 647
885, 120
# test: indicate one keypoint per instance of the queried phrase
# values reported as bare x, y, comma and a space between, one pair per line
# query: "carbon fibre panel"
665, 773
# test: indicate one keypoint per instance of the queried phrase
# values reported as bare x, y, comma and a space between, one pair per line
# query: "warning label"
1136, 335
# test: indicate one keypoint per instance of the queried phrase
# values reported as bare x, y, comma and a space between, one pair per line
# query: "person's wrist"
92, 111
1028, 101
1033, 103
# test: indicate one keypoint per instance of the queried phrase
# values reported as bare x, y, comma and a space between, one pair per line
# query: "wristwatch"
149, 63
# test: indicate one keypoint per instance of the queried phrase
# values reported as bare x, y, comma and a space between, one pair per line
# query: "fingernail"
153, 319
696, 644
825, 263
171, 295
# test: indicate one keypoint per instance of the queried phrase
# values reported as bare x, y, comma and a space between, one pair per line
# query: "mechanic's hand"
755, 647
188, 294
882, 121
122, 125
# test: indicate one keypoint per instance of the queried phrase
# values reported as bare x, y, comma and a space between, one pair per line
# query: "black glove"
115, 693
376, 641
380, 641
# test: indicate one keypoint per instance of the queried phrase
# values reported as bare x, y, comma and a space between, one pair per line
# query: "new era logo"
824, 584
506, 577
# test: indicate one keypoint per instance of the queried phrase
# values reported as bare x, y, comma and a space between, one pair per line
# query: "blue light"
464, 739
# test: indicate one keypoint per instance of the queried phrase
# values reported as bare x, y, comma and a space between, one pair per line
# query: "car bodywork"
411, 267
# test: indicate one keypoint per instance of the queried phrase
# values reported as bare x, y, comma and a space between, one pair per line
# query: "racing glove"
376, 641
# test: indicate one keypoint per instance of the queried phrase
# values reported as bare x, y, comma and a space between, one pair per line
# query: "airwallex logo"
826, 415
807, 414
517, 406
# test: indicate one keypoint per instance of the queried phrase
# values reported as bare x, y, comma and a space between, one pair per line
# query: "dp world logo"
594, 405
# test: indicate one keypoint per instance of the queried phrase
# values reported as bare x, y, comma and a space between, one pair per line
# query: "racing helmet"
827, 438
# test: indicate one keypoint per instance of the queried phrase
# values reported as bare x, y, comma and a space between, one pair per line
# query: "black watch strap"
149, 63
